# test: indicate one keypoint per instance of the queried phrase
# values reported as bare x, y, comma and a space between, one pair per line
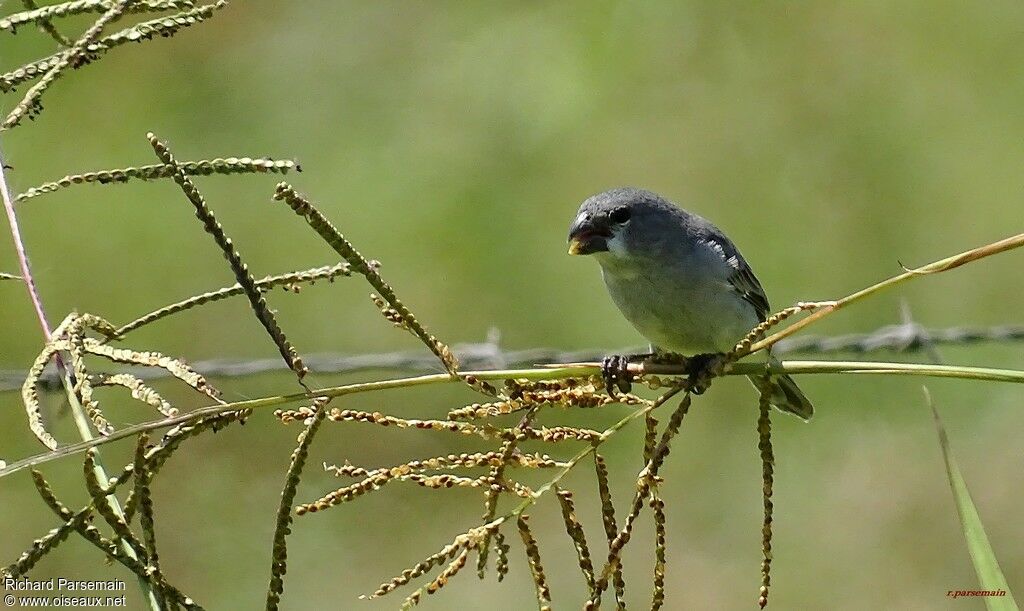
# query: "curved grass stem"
935, 267
538, 373
77, 410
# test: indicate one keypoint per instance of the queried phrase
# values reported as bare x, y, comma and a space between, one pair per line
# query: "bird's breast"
680, 310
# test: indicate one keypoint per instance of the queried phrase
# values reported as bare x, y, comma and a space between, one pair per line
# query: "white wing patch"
732, 261
742, 278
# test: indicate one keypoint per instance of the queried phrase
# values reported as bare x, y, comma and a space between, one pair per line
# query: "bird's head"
619, 224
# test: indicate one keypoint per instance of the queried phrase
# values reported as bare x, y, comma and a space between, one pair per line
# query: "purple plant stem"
19, 247
37, 303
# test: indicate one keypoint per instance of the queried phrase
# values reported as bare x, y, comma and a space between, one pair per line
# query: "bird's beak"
588, 235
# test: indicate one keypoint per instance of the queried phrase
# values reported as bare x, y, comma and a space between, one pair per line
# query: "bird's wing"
742, 278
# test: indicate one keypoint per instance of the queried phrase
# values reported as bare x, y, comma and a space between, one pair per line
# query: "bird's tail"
786, 396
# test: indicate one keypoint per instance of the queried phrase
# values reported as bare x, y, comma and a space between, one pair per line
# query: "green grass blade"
990, 576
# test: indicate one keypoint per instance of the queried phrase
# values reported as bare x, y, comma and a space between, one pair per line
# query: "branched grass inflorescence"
493, 470
52, 67
40, 15
234, 258
30, 104
205, 167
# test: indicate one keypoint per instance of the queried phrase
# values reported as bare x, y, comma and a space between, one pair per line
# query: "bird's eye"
619, 215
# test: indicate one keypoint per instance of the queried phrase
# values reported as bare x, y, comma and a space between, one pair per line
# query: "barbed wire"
906, 337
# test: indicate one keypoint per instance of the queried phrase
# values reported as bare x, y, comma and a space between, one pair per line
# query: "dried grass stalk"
548, 434
203, 167
140, 32
645, 481
30, 397
501, 549
764, 445
102, 502
44, 14
113, 551
496, 480
176, 367
536, 569
611, 529
290, 281
575, 531
455, 461
82, 387
238, 267
343, 247
279, 561
660, 530
466, 540
30, 103
439, 582
142, 476
140, 391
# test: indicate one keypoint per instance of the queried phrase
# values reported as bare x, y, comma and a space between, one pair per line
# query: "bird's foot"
615, 373
702, 368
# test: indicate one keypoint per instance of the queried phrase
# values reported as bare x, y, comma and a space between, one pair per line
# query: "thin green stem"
941, 265
81, 420
541, 373
916, 369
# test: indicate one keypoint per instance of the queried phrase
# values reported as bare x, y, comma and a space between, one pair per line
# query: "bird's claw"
702, 368
615, 373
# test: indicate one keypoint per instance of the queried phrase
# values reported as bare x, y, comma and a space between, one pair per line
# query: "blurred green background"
453, 142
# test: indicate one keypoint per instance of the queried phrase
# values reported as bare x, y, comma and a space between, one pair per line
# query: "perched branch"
900, 338
936, 267
544, 373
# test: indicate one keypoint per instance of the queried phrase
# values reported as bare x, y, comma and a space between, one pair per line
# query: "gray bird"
676, 277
